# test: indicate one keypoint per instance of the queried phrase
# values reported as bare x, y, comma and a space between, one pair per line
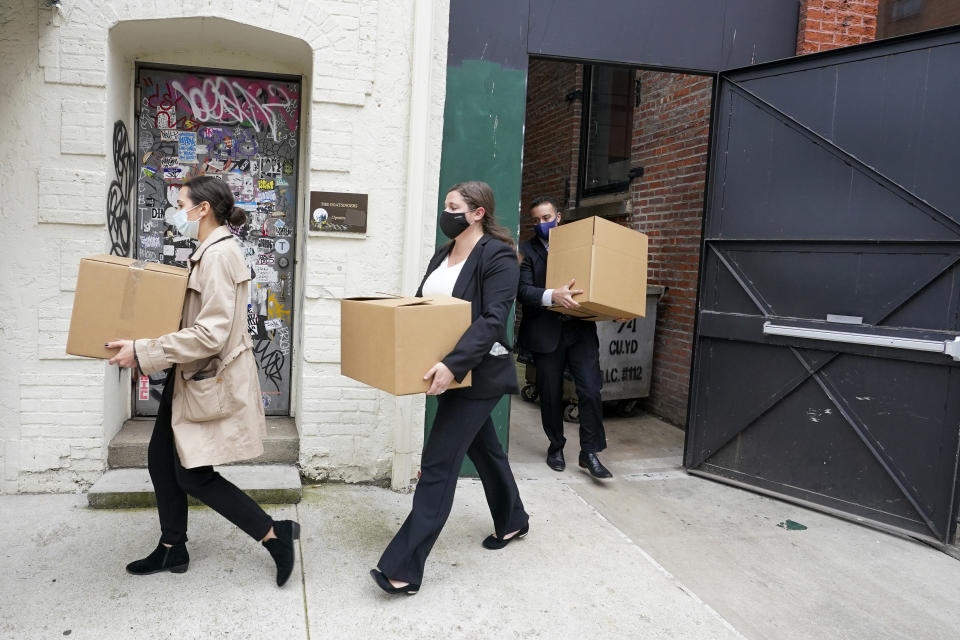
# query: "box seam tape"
127, 302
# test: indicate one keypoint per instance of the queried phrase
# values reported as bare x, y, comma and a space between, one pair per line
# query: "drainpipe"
407, 419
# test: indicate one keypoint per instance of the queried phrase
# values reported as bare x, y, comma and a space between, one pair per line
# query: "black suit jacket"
539, 327
488, 280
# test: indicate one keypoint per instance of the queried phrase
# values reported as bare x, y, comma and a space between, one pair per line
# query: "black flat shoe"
493, 542
174, 559
591, 463
384, 583
282, 548
555, 460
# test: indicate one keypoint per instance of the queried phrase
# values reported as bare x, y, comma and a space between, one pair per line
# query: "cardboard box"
609, 262
122, 298
389, 343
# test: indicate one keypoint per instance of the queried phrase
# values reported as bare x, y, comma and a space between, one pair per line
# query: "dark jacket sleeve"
528, 293
499, 277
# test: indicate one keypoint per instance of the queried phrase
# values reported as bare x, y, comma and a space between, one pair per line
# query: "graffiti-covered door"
244, 130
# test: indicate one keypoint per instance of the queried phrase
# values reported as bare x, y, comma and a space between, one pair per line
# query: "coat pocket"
214, 397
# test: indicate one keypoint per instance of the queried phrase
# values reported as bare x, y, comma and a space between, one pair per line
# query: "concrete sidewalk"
653, 554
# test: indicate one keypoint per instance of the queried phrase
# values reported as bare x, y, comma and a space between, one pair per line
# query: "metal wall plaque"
338, 212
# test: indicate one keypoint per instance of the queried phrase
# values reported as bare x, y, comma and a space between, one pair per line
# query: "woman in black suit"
480, 264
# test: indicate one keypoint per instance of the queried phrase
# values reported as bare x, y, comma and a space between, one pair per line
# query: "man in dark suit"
556, 341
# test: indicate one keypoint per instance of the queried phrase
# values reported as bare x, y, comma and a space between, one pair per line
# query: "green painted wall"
483, 134
483, 140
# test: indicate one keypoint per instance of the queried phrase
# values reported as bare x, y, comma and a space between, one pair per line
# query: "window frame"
583, 192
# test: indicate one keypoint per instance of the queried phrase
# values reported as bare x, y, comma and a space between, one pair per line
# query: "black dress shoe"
591, 463
384, 583
282, 548
555, 460
493, 542
174, 559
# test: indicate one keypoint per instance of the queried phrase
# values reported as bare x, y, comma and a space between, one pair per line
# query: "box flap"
123, 261
166, 268
120, 260
383, 301
572, 235
377, 295
445, 300
405, 301
617, 237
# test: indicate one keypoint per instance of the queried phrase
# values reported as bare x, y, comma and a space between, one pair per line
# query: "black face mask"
453, 224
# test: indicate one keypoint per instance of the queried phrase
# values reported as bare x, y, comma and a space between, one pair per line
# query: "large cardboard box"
609, 262
389, 343
122, 298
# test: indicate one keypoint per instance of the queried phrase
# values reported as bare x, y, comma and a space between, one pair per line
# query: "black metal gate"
830, 284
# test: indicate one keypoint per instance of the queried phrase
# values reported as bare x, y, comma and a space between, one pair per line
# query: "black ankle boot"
174, 559
282, 548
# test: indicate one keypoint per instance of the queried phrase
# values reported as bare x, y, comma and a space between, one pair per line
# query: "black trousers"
462, 427
580, 349
172, 483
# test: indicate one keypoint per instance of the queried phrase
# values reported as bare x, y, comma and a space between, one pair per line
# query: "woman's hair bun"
237, 217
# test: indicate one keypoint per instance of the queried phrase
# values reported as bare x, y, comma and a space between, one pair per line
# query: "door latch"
946, 347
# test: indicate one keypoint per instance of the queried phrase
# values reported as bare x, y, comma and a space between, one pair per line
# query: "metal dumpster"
626, 355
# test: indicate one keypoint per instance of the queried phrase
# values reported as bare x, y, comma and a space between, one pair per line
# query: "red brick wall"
829, 24
552, 136
670, 141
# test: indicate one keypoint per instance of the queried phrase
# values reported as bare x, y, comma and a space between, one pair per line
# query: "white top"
441, 282
443, 278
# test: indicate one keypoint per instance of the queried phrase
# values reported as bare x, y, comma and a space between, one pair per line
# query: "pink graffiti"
258, 103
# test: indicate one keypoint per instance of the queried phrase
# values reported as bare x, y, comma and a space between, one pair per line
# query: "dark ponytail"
218, 195
237, 217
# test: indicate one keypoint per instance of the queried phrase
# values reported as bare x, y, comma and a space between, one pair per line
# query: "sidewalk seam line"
303, 578
661, 568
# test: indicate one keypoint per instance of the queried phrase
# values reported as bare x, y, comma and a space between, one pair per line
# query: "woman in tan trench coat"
211, 410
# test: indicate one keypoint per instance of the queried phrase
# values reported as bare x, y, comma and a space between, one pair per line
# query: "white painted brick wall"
334, 151
52, 406
71, 196
43, 454
61, 430
53, 326
71, 251
82, 127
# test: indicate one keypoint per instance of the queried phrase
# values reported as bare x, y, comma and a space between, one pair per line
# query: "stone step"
129, 447
265, 483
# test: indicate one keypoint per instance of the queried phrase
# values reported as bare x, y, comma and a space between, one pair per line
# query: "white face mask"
185, 227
